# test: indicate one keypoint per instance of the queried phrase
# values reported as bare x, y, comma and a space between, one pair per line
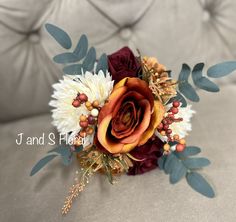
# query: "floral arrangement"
123, 113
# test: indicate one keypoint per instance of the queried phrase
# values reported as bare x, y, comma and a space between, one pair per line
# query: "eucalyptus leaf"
62, 150
78, 149
170, 163
179, 98
196, 163
221, 69
41, 163
188, 151
102, 64
74, 69
178, 172
82, 47
65, 153
88, 63
202, 82
59, 35
189, 92
184, 87
161, 162
67, 57
184, 73
199, 184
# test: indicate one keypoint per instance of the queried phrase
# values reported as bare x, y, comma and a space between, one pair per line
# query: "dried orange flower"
161, 85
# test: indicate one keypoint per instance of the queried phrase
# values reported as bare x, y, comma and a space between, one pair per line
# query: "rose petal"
141, 128
104, 139
157, 116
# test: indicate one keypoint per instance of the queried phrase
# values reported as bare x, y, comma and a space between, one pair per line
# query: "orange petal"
120, 83
104, 140
142, 127
110, 105
157, 116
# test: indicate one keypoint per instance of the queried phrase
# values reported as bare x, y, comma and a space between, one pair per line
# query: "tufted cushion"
175, 31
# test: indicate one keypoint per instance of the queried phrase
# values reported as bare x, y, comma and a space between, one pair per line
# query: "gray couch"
175, 31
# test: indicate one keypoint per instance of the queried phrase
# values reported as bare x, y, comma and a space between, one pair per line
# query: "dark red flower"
123, 64
149, 154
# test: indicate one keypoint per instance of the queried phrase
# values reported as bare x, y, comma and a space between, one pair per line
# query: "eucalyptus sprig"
181, 164
81, 58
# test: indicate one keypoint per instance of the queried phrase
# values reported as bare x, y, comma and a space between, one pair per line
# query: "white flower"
181, 128
65, 115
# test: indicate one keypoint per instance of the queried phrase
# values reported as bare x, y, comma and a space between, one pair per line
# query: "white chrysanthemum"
65, 115
181, 128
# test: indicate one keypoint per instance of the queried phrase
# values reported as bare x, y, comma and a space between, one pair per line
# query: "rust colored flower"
130, 116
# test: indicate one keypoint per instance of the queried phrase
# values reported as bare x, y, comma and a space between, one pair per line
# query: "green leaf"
179, 98
102, 64
82, 47
65, 153
41, 163
73, 69
221, 69
188, 151
199, 184
178, 172
78, 149
189, 92
184, 73
202, 82
67, 57
170, 163
59, 35
88, 63
184, 87
196, 163
161, 162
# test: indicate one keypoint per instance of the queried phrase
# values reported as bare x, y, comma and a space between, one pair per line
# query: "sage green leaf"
196, 163
202, 82
189, 92
221, 69
184, 73
102, 64
199, 184
59, 35
82, 47
161, 162
170, 163
62, 150
179, 98
88, 63
73, 69
67, 57
188, 151
65, 153
184, 87
178, 172
78, 149
41, 163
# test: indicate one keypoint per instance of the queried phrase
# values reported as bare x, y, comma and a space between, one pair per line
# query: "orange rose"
130, 116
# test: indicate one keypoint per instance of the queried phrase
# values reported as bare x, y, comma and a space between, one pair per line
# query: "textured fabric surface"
144, 198
175, 31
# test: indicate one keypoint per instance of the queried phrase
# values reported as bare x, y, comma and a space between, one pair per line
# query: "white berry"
94, 112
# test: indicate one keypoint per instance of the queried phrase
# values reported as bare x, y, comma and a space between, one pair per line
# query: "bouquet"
123, 113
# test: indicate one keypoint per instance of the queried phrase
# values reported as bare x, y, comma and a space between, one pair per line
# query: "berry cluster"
86, 122
164, 128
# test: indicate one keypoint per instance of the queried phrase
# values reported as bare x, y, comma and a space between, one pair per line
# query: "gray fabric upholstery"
175, 31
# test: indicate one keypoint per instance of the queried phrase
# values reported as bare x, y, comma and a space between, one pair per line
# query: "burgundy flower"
123, 64
149, 154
